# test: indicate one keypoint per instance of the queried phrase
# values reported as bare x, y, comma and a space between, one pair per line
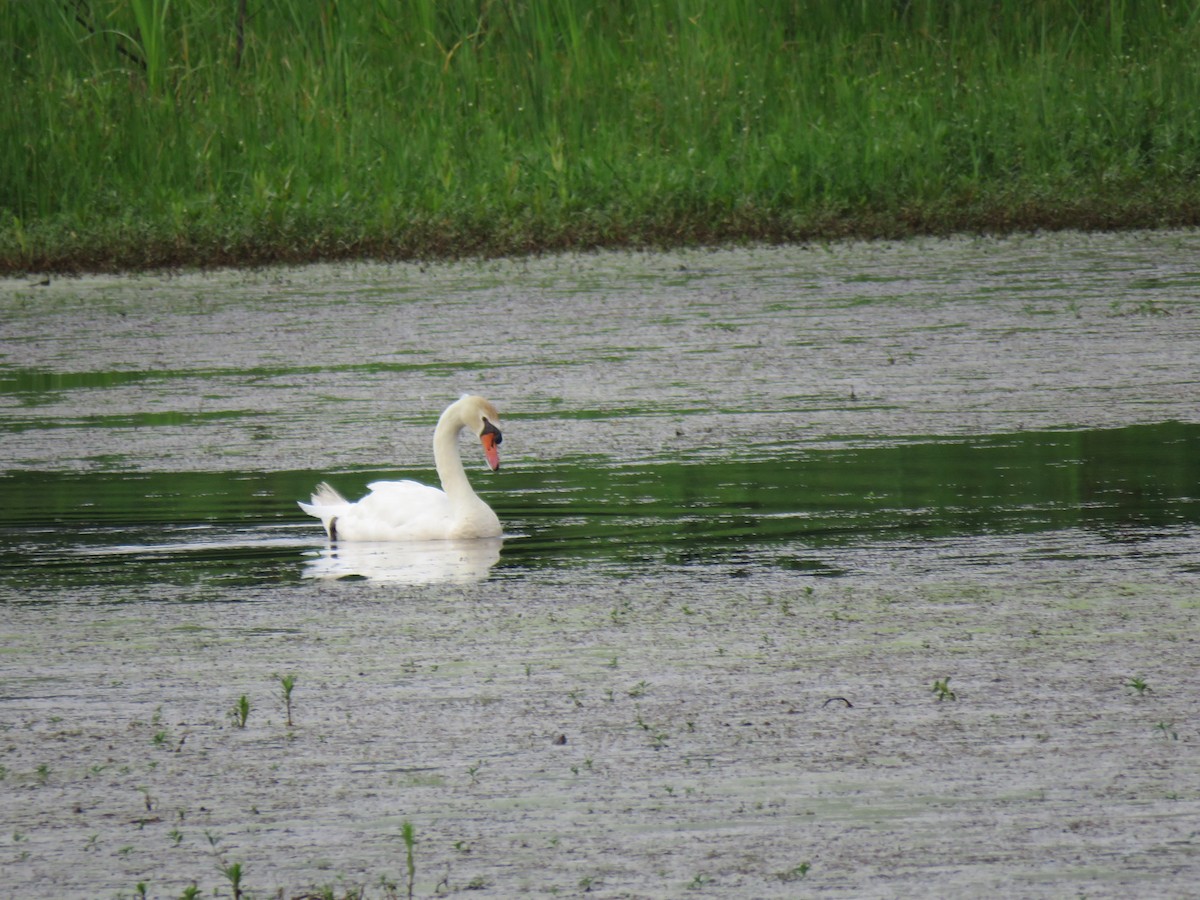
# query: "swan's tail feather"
327, 495
324, 503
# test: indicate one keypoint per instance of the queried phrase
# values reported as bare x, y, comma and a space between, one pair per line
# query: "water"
1112, 492
761, 407
911, 441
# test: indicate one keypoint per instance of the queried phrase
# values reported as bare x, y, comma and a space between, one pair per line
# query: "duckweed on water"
699, 516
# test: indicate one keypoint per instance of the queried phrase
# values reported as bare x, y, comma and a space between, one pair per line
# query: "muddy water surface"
862, 570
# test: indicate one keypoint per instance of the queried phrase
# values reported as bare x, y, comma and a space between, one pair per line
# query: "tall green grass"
145, 132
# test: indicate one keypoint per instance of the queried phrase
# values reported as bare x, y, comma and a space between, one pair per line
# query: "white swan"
410, 511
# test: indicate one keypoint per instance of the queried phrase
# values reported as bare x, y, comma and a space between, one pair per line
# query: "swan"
410, 511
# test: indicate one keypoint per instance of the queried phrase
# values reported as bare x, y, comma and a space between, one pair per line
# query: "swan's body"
410, 511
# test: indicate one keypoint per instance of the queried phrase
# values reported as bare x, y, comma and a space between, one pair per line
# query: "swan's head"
482, 418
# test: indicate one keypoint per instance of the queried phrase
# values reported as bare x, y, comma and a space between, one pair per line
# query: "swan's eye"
489, 428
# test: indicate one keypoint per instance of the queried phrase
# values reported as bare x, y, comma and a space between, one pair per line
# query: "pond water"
713, 455
937, 505
747, 407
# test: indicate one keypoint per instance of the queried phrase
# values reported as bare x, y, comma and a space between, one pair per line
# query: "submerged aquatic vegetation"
795, 873
1167, 730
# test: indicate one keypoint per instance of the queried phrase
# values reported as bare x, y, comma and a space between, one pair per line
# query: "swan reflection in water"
407, 562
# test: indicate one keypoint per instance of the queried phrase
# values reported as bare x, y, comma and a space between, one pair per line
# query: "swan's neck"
447, 459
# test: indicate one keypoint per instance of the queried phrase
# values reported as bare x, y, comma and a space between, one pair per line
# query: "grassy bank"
147, 132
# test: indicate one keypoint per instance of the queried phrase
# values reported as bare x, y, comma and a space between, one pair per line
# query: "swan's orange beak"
491, 439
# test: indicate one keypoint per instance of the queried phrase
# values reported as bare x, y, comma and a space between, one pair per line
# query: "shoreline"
100, 252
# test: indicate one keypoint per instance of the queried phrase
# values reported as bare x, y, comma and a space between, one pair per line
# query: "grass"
150, 133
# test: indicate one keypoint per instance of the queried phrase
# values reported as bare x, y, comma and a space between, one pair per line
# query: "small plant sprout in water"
241, 711
410, 841
1138, 686
287, 682
795, 873
233, 872
941, 688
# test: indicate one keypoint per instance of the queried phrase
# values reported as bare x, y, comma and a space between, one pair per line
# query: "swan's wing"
397, 503
405, 492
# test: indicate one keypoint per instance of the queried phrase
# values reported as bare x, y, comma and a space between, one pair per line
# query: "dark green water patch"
37, 385
168, 419
37, 381
792, 511
1137, 477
